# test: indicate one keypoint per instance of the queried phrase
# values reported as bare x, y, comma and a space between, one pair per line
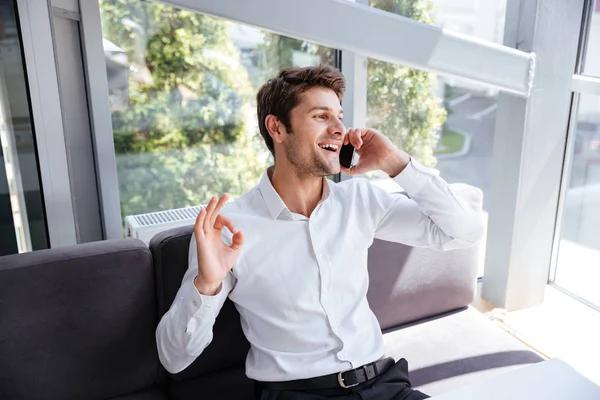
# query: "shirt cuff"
199, 304
414, 176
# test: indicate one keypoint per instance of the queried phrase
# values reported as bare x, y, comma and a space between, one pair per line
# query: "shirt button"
207, 305
195, 303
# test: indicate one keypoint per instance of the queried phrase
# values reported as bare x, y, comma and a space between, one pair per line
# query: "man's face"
313, 146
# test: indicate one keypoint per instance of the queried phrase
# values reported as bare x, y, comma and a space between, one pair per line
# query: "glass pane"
182, 91
578, 268
481, 19
22, 215
592, 57
442, 123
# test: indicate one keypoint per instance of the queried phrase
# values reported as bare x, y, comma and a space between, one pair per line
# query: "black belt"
346, 379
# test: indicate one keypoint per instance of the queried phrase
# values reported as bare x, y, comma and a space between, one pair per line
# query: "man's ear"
275, 128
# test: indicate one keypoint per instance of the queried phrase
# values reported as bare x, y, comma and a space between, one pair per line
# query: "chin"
331, 170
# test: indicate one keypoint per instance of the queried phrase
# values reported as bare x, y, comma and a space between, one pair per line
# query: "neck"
301, 194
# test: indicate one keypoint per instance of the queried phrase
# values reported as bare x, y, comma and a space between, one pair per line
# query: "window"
578, 265
22, 213
442, 123
592, 57
482, 19
182, 90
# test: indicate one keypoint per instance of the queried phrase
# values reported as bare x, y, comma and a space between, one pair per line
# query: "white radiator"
145, 226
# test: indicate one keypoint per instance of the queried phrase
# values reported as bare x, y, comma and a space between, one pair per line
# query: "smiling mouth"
330, 147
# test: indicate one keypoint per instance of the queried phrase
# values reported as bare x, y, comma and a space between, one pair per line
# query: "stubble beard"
313, 165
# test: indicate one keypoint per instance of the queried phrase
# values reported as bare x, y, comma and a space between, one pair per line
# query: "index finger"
224, 222
355, 138
218, 208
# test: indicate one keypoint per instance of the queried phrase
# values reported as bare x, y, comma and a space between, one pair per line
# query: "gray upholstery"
455, 350
170, 254
407, 283
230, 383
410, 283
149, 394
78, 322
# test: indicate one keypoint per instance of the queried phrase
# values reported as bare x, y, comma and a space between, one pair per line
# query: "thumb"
237, 241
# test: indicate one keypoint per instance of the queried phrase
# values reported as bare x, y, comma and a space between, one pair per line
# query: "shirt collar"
273, 201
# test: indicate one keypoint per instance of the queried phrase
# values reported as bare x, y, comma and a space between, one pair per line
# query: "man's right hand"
215, 258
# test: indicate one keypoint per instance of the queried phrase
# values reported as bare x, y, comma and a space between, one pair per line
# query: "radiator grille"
163, 217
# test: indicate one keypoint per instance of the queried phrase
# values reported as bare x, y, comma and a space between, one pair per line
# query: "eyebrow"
323, 108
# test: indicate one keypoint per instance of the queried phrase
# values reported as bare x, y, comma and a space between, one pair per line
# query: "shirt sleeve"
186, 329
432, 215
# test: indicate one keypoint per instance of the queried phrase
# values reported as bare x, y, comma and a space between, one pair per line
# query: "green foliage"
187, 134
184, 135
278, 52
162, 180
400, 99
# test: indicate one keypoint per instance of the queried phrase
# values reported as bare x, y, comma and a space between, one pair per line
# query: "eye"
321, 116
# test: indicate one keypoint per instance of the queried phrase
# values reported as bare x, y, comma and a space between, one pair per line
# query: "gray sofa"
78, 322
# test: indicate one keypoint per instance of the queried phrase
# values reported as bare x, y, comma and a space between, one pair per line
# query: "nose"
337, 127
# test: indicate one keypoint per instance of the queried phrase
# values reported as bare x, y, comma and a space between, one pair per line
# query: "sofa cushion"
78, 322
229, 346
147, 394
230, 383
409, 283
455, 350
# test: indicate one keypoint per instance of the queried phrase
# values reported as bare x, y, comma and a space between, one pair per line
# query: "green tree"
184, 135
400, 99
278, 52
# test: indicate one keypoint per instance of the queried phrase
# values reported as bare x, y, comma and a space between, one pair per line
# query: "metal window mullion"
42, 77
354, 103
381, 35
13, 172
564, 184
100, 118
529, 151
586, 84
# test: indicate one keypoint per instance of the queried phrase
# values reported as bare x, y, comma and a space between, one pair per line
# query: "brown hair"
281, 94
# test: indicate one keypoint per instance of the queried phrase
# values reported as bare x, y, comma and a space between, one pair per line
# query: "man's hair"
281, 94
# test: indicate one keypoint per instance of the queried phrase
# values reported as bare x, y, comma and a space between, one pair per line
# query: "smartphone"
346, 155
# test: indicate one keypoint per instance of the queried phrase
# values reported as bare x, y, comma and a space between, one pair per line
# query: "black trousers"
393, 384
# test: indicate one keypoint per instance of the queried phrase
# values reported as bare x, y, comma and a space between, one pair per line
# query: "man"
298, 272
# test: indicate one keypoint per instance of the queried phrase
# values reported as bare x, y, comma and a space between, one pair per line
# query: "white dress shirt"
300, 284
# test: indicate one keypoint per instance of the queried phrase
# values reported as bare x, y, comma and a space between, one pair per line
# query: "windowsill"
561, 327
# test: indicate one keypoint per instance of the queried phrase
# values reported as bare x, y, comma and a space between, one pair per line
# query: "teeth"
329, 146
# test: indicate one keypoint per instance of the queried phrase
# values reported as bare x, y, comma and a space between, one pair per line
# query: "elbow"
169, 365
177, 350
166, 355
474, 229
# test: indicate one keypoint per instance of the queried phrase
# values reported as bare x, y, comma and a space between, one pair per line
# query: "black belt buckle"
341, 381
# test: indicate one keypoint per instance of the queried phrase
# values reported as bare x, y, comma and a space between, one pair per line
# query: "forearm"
396, 163
449, 212
186, 329
434, 216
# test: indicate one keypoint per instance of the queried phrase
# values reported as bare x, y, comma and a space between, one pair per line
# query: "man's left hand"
376, 152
